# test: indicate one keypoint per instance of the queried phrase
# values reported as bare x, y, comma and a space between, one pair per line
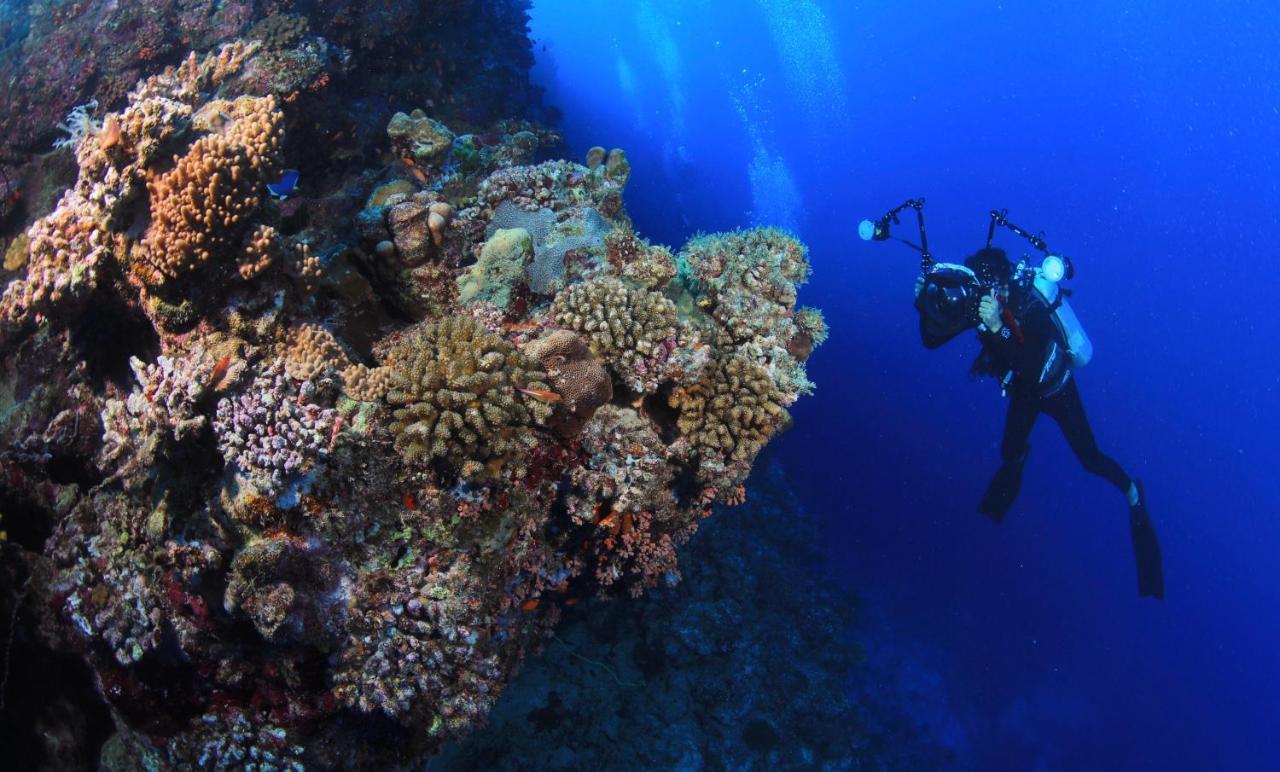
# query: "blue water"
1143, 138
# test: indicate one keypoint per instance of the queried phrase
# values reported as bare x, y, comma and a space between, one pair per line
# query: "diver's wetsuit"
1029, 397
1029, 357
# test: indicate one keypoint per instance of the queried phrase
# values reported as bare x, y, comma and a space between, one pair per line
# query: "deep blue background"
1144, 139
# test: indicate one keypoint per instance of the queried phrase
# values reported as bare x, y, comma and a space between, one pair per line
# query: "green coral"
731, 411
456, 399
626, 327
499, 270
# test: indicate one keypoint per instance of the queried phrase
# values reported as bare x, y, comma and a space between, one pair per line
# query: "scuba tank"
1078, 346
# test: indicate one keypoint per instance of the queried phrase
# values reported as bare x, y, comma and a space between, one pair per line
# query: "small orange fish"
529, 605
420, 175
220, 371
542, 394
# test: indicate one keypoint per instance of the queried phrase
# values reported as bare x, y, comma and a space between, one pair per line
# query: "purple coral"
271, 433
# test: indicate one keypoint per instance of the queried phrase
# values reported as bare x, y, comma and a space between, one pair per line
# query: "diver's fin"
1004, 488
1146, 549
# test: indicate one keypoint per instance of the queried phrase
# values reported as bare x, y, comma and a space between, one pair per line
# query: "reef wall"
303, 469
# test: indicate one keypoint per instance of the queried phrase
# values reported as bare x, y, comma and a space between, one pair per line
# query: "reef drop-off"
302, 475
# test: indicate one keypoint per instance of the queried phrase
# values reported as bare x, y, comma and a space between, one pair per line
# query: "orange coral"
200, 207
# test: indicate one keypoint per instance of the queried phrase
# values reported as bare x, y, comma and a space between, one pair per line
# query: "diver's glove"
989, 313
919, 284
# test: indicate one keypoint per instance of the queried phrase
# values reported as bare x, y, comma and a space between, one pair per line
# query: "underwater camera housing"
951, 293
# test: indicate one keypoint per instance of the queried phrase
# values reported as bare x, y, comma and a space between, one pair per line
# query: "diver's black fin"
1146, 549
1004, 488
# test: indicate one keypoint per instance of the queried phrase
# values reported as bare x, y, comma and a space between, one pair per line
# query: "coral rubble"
302, 482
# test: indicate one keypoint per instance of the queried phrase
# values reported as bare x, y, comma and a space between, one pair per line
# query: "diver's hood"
948, 302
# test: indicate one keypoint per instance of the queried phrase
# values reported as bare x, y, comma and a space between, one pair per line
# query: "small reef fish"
219, 371
287, 186
542, 394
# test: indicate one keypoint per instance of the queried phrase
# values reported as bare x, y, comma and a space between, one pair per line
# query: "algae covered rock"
417, 137
500, 269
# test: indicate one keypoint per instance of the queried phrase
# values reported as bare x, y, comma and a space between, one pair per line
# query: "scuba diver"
1031, 343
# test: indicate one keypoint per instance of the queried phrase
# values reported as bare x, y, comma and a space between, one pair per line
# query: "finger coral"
457, 393
312, 352
271, 433
201, 206
728, 415
632, 330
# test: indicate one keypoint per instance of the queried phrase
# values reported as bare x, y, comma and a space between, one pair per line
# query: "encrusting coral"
316, 475
464, 396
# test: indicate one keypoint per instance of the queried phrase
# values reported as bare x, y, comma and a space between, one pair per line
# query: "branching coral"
313, 353
423, 649
729, 413
366, 384
200, 207
632, 330
64, 256
462, 396
271, 433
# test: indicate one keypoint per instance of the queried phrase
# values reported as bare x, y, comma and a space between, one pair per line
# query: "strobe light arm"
882, 230
1000, 217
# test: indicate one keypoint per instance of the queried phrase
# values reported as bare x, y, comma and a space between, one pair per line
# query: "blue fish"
287, 186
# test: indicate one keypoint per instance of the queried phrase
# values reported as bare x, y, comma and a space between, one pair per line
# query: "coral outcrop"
301, 476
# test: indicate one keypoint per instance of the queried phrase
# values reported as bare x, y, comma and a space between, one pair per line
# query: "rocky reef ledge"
301, 468
754, 661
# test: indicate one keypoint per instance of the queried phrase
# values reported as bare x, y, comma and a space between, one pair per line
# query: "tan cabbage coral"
311, 352
201, 206
582, 383
632, 330
464, 396
730, 412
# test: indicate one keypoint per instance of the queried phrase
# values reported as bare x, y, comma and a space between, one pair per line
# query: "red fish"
542, 394
220, 370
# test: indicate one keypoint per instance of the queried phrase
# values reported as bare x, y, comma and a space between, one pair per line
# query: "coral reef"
300, 478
